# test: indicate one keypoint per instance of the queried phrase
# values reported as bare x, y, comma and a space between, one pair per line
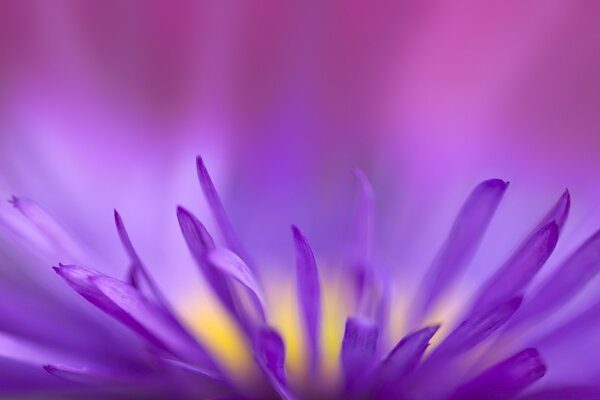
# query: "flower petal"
506, 379
49, 228
270, 356
568, 279
87, 375
476, 328
460, 245
558, 213
219, 214
230, 264
200, 244
138, 275
309, 294
124, 303
405, 356
520, 268
358, 349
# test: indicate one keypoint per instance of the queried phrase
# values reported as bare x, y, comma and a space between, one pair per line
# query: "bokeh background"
105, 104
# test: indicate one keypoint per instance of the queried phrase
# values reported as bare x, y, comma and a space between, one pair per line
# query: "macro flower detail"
495, 346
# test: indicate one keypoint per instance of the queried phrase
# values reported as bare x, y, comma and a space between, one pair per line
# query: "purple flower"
518, 335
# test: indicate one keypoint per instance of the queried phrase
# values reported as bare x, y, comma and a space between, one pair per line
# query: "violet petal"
270, 356
86, 375
49, 228
358, 349
460, 245
506, 379
218, 211
568, 279
520, 268
405, 356
138, 275
558, 213
309, 294
477, 327
230, 264
124, 303
200, 244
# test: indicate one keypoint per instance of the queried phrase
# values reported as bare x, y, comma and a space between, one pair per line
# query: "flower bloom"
498, 348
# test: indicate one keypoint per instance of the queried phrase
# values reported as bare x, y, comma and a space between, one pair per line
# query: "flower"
499, 347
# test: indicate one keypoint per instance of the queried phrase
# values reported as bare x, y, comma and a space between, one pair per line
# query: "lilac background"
106, 104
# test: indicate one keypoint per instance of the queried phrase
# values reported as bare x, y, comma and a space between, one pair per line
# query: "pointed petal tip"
182, 212
295, 230
431, 330
298, 235
201, 167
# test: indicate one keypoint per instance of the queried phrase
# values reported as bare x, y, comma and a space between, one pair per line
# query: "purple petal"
18, 377
270, 356
461, 244
200, 245
478, 327
309, 294
138, 275
87, 375
581, 323
405, 356
506, 379
218, 211
358, 349
520, 268
49, 228
124, 303
558, 213
569, 278
230, 264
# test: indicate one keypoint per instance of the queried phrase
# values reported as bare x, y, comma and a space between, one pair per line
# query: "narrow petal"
558, 213
200, 244
309, 294
583, 323
358, 349
124, 303
478, 327
405, 356
520, 268
270, 356
230, 264
87, 375
49, 228
138, 275
20, 380
569, 278
218, 211
461, 244
506, 379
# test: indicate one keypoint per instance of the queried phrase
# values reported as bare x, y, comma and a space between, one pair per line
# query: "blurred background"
105, 104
